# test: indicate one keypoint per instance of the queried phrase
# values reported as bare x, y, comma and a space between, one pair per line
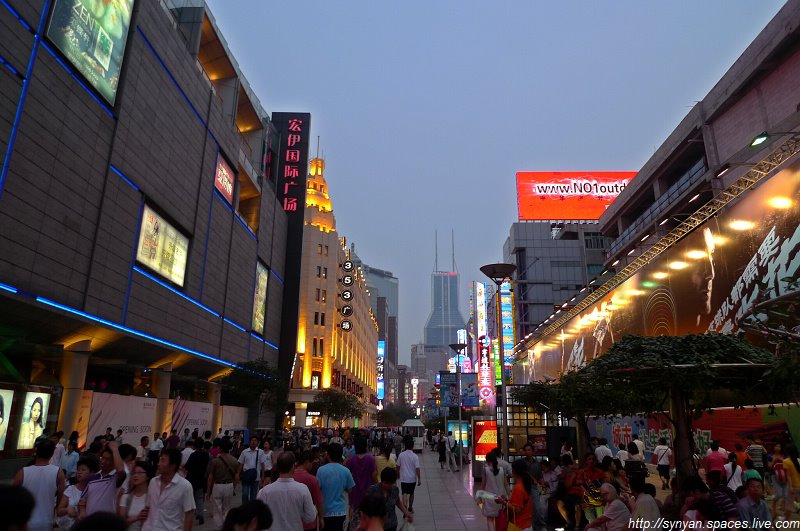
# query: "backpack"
781, 476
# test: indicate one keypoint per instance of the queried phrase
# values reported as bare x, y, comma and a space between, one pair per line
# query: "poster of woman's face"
34, 418
6, 397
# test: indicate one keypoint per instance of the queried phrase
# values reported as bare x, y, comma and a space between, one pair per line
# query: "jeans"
249, 491
334, 523
199, 501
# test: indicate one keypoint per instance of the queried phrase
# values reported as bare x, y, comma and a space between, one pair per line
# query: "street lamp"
499, 273
762, 137
458, 348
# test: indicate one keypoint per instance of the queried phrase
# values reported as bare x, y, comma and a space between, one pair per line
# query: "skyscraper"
445, 317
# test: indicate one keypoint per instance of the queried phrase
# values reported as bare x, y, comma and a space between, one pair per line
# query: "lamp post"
458, 348
499, 273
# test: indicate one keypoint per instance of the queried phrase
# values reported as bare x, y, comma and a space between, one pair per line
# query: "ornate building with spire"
328, 356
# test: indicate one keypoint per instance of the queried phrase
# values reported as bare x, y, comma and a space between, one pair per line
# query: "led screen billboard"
92, 35
6, 399
34, 419
260, 298
380, 364
706, 282
507, 320
562, 195
224, 179
162, 247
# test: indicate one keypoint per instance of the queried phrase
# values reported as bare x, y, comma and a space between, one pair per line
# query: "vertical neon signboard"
485, 376
507, 321
381, 358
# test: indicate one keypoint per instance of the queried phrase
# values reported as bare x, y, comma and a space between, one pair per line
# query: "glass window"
326, 250
316, 318
324, 295
321, 346
319, 272
322, 319
319, 248
314, 347
324, 272
318, 295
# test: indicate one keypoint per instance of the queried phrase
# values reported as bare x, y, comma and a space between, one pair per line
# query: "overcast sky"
427, 109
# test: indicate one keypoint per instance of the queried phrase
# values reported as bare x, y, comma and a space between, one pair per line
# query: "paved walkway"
443, 502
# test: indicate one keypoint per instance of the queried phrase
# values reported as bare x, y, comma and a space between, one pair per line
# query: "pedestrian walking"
441, 448
409, 472
251, 467
69, 463
384, 460
46, 483
289, 500
222, 479
387, 487
362, 467
173, 441
132, 505
60, 451
335, 481
663, 459
143, 450
451, 448
196, 468
100, 494
266, 477
154, 449
302, 474
170, 499
372, 511
494, 481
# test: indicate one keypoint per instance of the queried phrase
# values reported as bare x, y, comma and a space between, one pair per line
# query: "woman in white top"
67, 511
266, 478
132, 505
494, 482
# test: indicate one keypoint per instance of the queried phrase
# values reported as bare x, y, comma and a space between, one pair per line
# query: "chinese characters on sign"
291, 171
224, 179
485, 380
381, 358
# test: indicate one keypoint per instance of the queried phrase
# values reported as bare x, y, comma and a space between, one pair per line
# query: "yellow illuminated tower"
329, 357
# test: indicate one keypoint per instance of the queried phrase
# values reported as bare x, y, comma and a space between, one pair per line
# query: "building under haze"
445, 318
329, 356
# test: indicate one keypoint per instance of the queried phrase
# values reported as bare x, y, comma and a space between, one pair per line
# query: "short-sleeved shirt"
223, 468
301, 476
618, 515
250, 459
333, 479
382, 462
794, 473
646, 508
662, 453
757, 453
408, 462
101, 492
715, 461
363, 470
169, 506
519, 498
391, 502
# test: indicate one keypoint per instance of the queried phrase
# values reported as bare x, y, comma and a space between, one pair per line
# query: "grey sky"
426, 110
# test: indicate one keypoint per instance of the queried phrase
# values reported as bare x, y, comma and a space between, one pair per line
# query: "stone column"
73, 379
214, 395
160, 382
300, 410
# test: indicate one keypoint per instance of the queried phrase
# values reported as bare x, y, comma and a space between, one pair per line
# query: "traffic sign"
346, 325
347, 295
347, 310
348, 265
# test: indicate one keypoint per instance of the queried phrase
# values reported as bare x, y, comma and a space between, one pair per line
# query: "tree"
256, 385
336, 405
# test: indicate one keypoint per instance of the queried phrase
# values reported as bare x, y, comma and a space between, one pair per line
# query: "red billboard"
484, 433
566, 195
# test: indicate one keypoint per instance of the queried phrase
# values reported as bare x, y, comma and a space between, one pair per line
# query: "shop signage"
485, 374
162, 247
224, 179
380, 364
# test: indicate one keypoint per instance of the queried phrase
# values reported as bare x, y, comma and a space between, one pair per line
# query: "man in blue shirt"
752, 508
335, 480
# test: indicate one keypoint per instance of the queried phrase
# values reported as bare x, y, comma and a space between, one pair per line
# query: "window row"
319, 318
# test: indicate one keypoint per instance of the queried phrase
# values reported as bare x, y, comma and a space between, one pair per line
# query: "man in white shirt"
602, 450
289, 500
170, 497
645, 508
155, 449
408, 470
251, 464
185, 453
639, 443
60, 451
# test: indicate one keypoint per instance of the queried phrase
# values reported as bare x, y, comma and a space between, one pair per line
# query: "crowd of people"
608, 490
314, 479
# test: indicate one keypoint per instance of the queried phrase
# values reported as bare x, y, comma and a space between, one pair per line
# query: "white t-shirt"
168, 506
185, 453
640, 445
623, 456
647, 509
662, 453
617, 514
137, 504
157, 445
408, 462
735, 481
601, 452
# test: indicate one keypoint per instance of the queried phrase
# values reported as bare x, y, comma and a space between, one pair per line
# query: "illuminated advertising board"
224, 179
469, 390
480, 309
380, 363
507, 320
162, 247
92, 35
460, 431
6, 398
485, 375
553, 195
34, 419
414, 390
485, 436
706, 282
449, 390
260, 298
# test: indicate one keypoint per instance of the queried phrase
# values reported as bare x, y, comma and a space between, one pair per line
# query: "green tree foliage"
394, 415
337, 405
256, 385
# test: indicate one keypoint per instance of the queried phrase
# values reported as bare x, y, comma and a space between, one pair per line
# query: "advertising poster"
485, 374
469, 390
161, 247
233, 418
554, 195
485, 435
507, 319
381, 358
706, 282
224, 179
449, 390
260, 298
34, 418
461, 434
186, 414
92, 35
84, 414
134, 415
6, 399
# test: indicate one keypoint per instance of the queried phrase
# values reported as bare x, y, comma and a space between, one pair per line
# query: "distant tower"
445, 317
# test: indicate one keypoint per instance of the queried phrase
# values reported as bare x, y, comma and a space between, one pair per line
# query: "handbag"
250, 476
